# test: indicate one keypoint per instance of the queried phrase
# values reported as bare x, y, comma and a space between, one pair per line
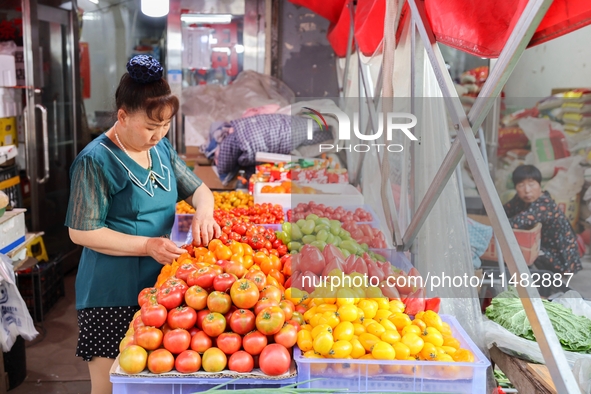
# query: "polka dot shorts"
101, 330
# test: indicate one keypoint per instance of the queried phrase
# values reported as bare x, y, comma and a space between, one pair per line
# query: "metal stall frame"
465, 143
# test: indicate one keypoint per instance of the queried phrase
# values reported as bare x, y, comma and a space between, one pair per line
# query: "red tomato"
244, 293
193, 330
271, 292
146, 295
182, 317
294, 323
133, 359
242, 321
170, 297
200, 342
177, 341
184, 271
270, 320
160, 361
241, 361
149, 338
224, 238
165, 328
137, 322
213, 360
287, 307
264, 303
274, 360
200, 316
229, 342
258, 277
175, 283
218, 269
285, 262
153, 314
239, 228
282, 251
218, 302
235, 268
214, 324
224, 282
203, 278
234, 236
196, 298
287, 336
188, 361
254, 342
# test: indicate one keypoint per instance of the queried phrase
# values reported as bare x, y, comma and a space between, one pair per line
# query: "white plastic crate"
333, 195
362, 376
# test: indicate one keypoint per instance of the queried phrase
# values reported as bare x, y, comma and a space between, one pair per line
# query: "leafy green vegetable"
573, 332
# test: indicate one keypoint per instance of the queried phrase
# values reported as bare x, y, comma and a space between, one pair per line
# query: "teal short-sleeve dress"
109, 189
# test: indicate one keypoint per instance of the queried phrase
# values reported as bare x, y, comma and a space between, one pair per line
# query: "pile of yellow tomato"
233, 199
347, 327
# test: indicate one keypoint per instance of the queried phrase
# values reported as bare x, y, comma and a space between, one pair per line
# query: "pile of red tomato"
258, 214
205, 317
258, 237
339, 213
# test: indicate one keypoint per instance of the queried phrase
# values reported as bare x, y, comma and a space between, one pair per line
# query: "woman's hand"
204, 229
163, 250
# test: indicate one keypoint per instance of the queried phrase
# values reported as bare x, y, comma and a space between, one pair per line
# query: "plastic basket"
362, 376
186, 385
10, 184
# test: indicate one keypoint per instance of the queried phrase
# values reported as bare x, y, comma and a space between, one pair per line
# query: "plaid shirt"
271, 133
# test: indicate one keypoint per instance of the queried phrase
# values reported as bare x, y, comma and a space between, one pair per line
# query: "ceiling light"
206, 18
155, 8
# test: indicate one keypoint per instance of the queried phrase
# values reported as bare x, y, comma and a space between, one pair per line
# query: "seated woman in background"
558, 249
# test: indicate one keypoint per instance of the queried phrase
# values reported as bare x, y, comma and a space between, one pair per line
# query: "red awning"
477, 27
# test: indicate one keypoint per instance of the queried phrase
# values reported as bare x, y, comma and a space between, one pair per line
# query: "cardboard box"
528, 240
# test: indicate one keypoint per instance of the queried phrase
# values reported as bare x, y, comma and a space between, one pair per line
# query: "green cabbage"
573, 332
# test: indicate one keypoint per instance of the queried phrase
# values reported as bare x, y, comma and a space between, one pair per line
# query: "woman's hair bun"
144, 69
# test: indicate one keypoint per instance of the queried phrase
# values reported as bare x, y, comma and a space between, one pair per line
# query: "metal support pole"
554, 356
516, 44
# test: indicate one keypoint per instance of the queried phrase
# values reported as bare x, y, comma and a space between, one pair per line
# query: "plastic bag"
567, 184
573, 300
15, 319
204, 104
548, 141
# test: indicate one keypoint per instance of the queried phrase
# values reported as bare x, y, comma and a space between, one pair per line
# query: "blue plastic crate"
186, 385
362, 376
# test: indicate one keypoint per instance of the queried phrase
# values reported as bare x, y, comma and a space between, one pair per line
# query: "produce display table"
527, 378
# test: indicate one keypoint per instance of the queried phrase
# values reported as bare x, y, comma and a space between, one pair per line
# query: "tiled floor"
52, 366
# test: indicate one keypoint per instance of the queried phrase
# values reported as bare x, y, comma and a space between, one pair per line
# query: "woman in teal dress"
124, 187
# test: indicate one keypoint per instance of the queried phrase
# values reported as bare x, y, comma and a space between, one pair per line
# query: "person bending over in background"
558, 250
124, 187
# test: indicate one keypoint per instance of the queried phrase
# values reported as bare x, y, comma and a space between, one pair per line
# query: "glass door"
51, 117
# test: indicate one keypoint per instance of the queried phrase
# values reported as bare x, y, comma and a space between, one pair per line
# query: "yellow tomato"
376, 329
345, 297
449, 350
388, 325
341, 349
451, 341
402, 351
214, 244
347, 312
382, 314
248, 262
383, 351
431, 335
369, 307
305, 342
383, 303
295, 295
368, 341
223, 253
357, 349
463, 356
332, 318
432, 319
321, 328
410, 329
429, 352
445, 329
358, 328
414, 343
344, 331
237, 249
367, 322
323, 343
419, 323
400, 320
390, 336
396, 304
326, 308
309, 313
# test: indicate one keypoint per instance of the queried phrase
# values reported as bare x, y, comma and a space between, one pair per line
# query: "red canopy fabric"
477, 27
